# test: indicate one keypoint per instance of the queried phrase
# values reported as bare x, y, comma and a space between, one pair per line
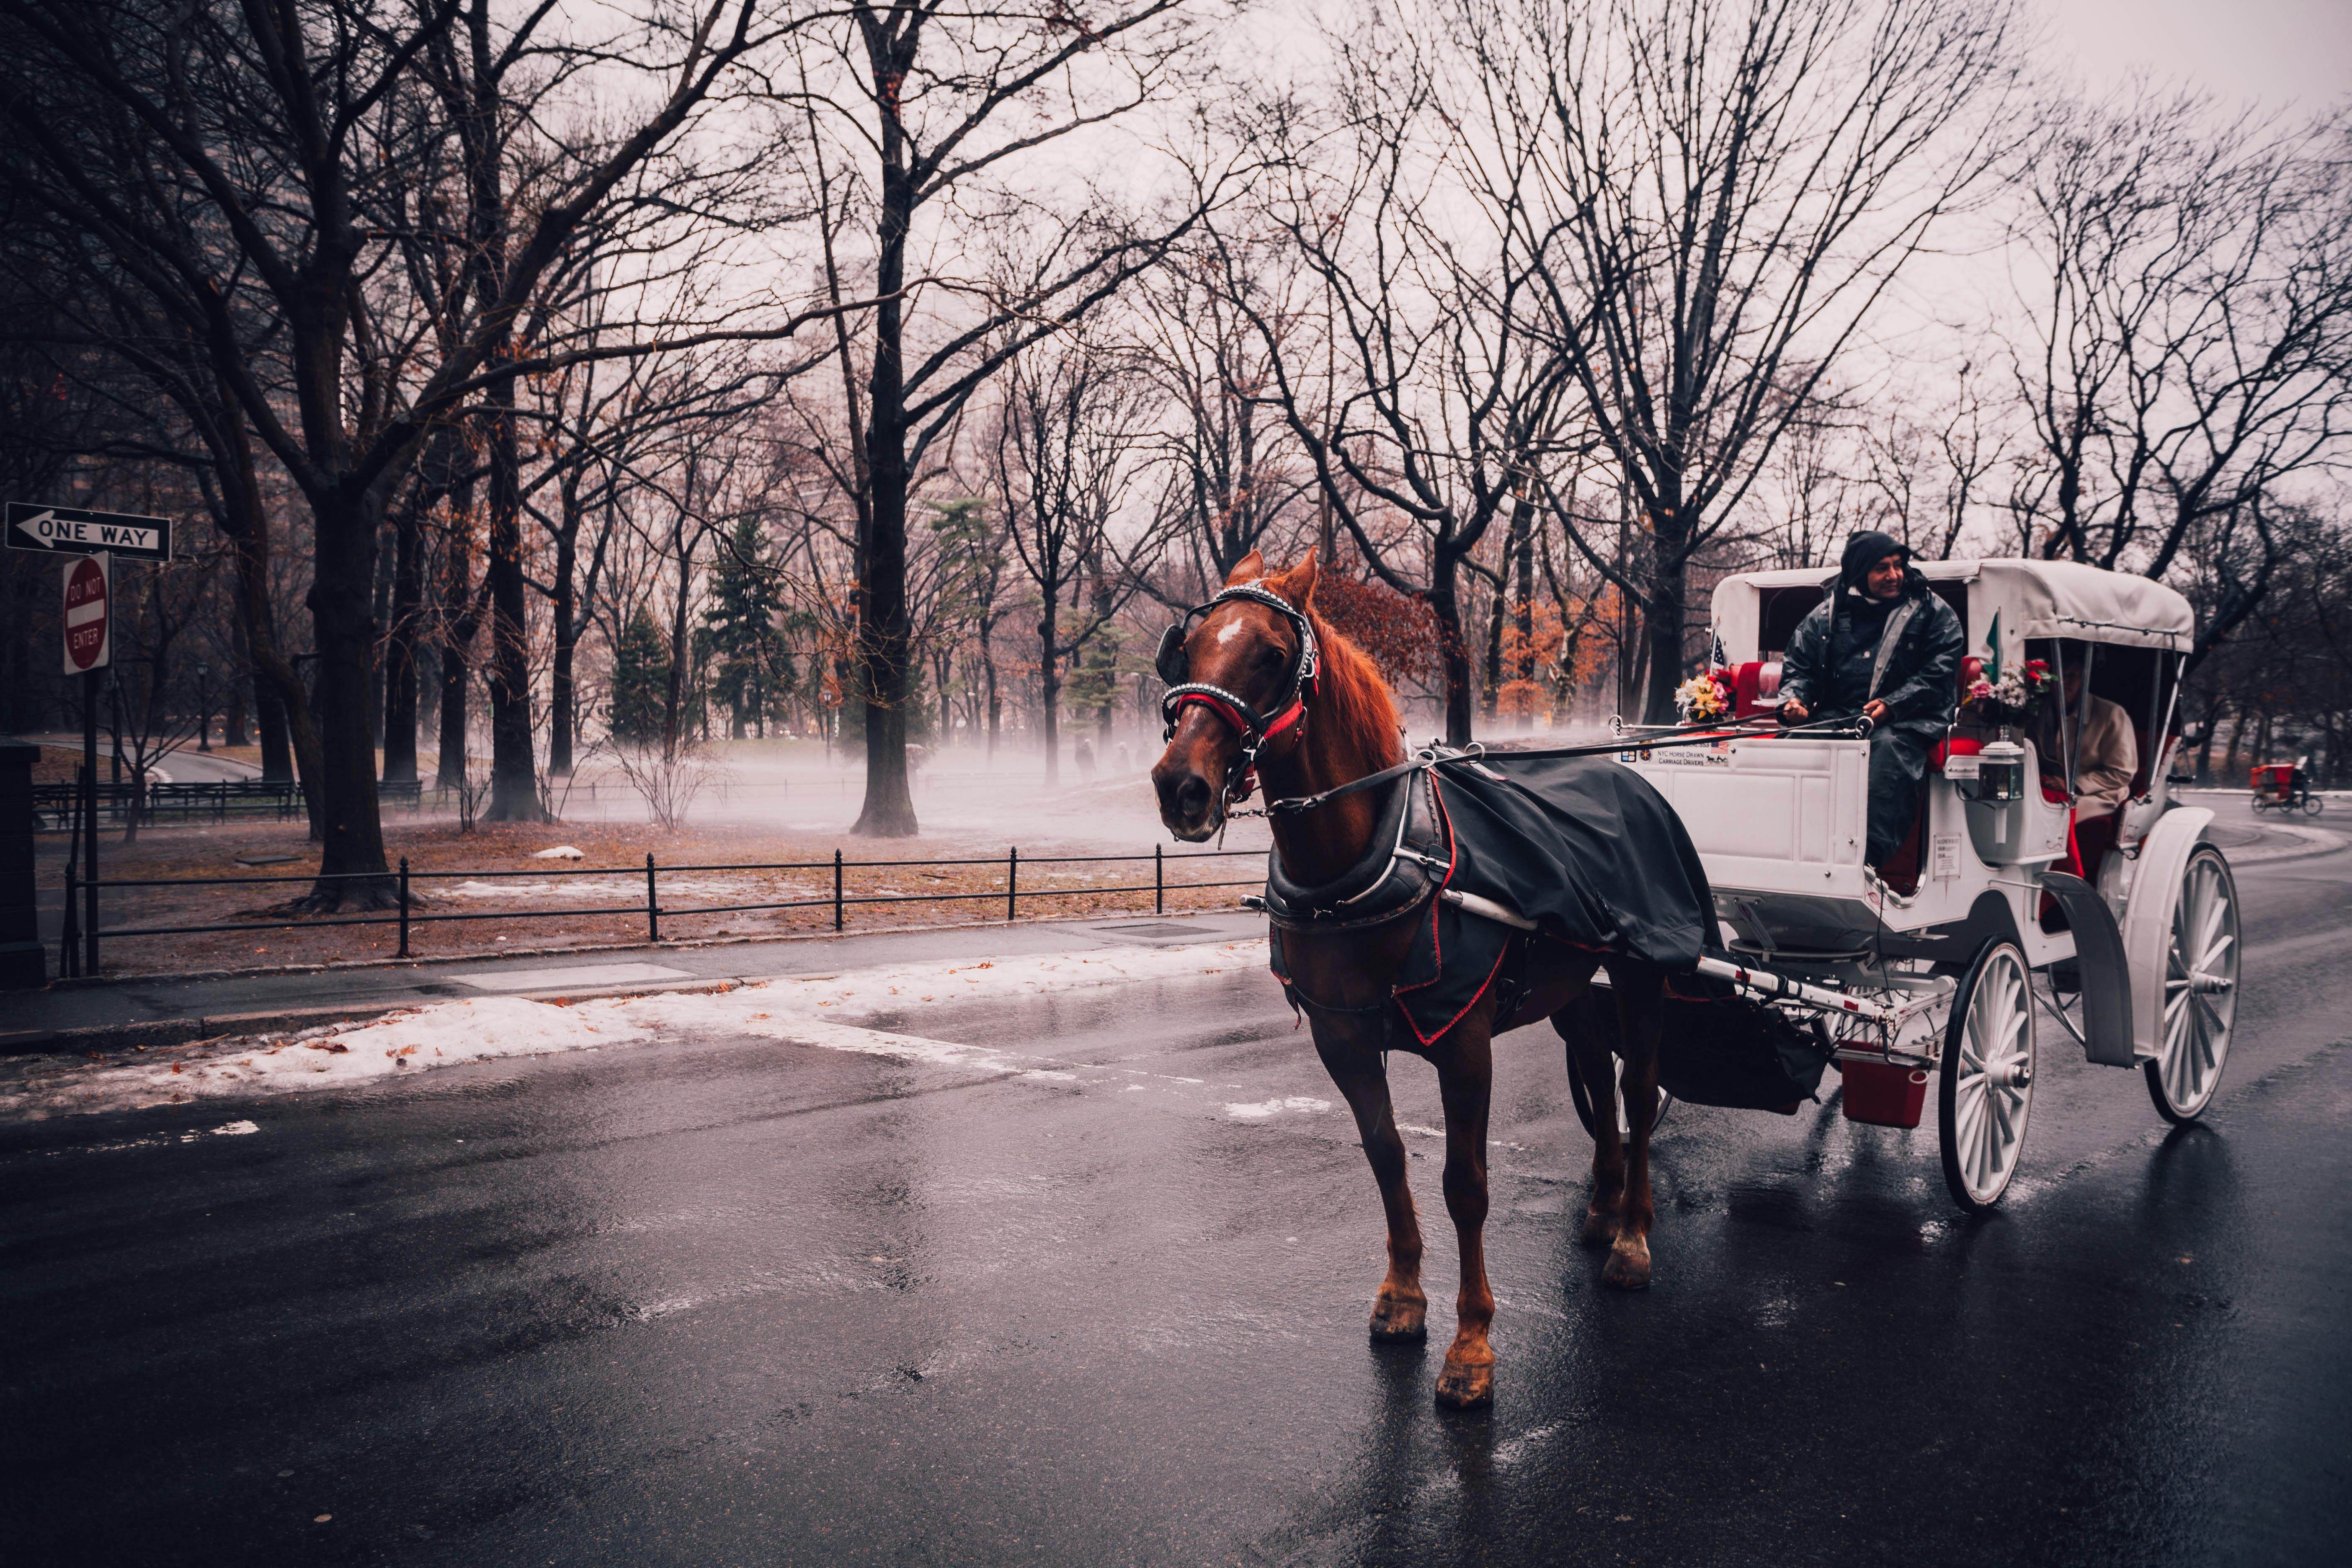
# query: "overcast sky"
2274, 50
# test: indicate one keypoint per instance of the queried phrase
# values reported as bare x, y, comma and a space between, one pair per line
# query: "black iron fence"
55, 805
82, 935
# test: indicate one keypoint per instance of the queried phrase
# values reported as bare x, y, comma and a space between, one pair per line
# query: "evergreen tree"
640, 681
748, 666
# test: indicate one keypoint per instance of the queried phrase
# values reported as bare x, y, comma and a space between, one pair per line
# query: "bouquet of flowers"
2011, 699
1707, 697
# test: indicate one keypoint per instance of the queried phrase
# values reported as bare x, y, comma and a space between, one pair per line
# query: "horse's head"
1236, 677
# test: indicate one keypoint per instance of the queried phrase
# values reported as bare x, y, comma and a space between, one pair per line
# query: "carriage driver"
1881, 646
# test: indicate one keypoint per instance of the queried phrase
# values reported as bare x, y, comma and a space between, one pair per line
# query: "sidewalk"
164, 1011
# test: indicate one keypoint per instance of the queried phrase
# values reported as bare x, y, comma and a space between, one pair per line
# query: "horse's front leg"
1465, 1078
1400, 1308
1640, 995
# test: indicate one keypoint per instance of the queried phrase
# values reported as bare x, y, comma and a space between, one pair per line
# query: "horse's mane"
1351, 700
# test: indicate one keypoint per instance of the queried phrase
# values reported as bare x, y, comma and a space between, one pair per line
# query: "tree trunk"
1049, 680
1452, 652
562, 699
380, 612
352, 860
1523, 540
995, 700
1499, 612
460, 620
884, 629
514, 784
400, 641
290, 738
1663, 612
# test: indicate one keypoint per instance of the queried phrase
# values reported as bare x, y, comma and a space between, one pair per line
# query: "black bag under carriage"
1724, 1050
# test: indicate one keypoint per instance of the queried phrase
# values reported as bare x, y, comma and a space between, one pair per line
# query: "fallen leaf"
175, 1067
330, 1046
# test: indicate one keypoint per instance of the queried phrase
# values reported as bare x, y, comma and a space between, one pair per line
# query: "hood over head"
1865, 550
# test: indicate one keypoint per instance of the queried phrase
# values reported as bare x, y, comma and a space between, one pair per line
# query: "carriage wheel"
1986, 1086
2201, 990
1624, 1128
2312, 804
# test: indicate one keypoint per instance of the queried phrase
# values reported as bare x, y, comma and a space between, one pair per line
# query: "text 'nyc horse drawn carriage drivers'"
1691, 905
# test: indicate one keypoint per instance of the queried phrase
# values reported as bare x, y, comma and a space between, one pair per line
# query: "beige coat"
2106, 755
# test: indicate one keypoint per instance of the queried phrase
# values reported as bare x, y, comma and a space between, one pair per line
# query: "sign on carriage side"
88, 617
69, 530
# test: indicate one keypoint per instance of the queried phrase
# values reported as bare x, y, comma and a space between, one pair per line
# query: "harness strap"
1819, 729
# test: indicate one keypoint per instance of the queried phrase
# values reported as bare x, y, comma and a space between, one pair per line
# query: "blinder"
1169, 660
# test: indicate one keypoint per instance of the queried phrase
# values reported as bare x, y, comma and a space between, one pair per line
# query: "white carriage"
1930, 975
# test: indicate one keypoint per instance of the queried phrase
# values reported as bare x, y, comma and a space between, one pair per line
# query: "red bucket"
1884, 1094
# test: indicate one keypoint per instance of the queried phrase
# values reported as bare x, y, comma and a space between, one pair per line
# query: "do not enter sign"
89, 590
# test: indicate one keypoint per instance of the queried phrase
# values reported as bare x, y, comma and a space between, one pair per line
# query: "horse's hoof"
1628, 1267
1466, 1385
1398, 1319
1599, 1227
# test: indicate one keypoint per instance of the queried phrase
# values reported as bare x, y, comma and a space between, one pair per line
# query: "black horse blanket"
1582, 847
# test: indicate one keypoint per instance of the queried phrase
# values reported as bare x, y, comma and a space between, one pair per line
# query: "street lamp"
204, 707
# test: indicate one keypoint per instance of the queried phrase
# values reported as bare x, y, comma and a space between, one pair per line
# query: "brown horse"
1349, 728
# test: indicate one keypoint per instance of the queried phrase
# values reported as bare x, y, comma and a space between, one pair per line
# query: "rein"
1688, 735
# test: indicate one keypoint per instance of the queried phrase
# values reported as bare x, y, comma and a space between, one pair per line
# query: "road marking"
584, 975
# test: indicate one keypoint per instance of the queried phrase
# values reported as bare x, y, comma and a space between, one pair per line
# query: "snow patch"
1305, 1104
817, 1010
560, 852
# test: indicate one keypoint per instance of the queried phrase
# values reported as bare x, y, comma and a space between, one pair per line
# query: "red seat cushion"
1755, 689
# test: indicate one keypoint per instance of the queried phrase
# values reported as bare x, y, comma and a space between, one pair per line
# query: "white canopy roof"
2033, 599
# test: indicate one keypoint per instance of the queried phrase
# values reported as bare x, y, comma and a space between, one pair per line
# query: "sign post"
88, 648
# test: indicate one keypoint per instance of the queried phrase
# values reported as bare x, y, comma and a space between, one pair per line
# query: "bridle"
1253, 728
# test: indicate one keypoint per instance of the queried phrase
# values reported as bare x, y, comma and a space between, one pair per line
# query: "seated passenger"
1882, 646
2105, 753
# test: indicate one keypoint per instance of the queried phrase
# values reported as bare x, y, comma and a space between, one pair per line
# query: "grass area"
501, 908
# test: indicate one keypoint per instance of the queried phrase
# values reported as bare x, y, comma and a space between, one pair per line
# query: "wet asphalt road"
718, 1301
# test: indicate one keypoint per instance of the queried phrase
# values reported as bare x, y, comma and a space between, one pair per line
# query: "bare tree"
1721, 191
1068, 428
1433, 396
942, 106
2189, 300
277, 120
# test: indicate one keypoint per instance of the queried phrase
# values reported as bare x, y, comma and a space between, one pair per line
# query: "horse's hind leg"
1640, 993
1465, 1077
1586, 1027
1400, 1308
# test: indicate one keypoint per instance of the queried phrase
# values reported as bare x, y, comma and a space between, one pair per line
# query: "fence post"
69, 935
837, 889
404, 906
652, 910
1158, 883
1012, 881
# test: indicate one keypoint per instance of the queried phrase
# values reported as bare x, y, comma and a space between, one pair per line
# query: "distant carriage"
2285, 787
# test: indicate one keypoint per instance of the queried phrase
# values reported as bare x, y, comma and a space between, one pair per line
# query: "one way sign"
69, 530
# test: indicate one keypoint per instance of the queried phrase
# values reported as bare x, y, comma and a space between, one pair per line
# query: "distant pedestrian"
1126, 763
1086, 758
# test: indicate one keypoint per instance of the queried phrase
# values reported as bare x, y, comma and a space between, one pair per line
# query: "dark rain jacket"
1832, 666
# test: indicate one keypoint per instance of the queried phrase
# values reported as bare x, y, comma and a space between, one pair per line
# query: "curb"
2317, 841
100, 982
164, 1033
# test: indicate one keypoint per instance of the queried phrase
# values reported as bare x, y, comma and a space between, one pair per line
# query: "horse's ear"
1248, 569
1297, 584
